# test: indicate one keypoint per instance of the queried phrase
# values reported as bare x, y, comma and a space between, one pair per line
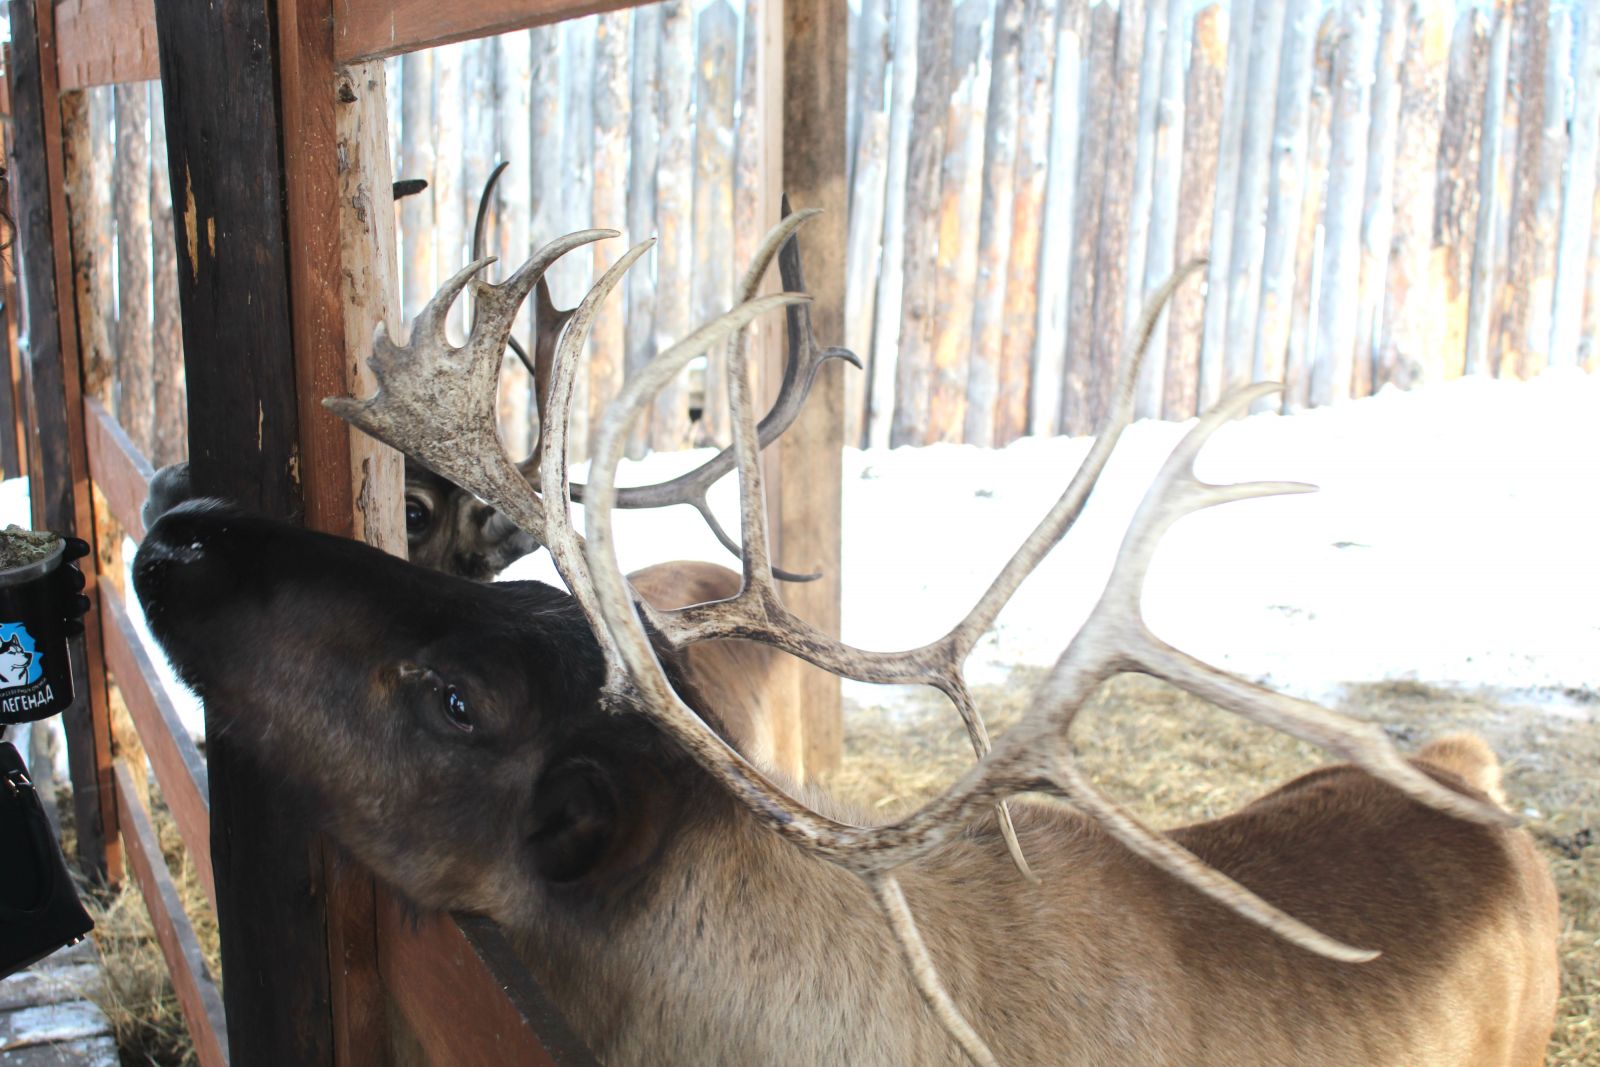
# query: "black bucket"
35, 674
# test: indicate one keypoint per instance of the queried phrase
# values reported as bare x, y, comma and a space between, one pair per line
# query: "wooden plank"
1530, 256
513, 201
1162, 236
1455, 196
611, 103
452, 223
815, 69
960, 203
1215, 336
891, 273
870, 144
1055, 252
1152, 51
1111, 254
1410, 353
119, 469
995, 217
92, 269
171, 410
712, 289
675, 254
497, 1014
1377, 210
1286, 202
1031, 172
1331, 369
226, 145
919, 304
372, 29
1077, 392
1202, 138
419, 268
178, 765
1308, 253
1246, 246
639, 330
135, 369
57, 456
196, 992
106, 42
1577, 210
1491, 207
12, 461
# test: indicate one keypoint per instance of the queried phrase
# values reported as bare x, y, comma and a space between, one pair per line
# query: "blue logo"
19, 659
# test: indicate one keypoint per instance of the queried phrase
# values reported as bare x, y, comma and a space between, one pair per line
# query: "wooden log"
103, 232
1577, 208
1202, 142
868, 172
374, 29
1377, 212
1160, 238
171, 409
87, 222
675, 255
196, 993
1332, 366
512, 203
1303, 317
994, 225
88, 54
919, 309
642, 160
13, 417
1286, 201
1226, 187
607, 345
1485, 246
419, 269
1524, 325
1077, 415
57, 454
1410, 353
451, 223
546, 134
1245, 248
961, 191
1589, 348
244, 437
1152, 51
135, 375
712, 288
1056, 241
814, 66
1455, 199
891, 273
1110, 296
1027, 220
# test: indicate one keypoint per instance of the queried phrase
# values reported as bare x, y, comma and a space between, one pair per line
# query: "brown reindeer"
558, 771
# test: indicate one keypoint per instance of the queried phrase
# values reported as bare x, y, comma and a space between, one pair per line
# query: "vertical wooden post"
815, 68
172, 419
135, 408
1491, 208
1455, 194
57, 456
639, 330
891, 278
714, 274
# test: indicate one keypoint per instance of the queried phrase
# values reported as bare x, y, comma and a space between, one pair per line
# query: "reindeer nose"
179, 553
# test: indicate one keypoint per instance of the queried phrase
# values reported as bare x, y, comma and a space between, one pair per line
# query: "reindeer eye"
417, 515
455, 709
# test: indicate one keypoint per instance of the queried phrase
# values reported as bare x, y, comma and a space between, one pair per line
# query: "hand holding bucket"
41, 606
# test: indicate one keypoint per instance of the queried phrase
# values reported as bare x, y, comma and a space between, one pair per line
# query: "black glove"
69, 586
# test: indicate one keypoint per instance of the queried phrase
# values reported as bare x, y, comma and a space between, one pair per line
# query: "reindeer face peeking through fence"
537, 756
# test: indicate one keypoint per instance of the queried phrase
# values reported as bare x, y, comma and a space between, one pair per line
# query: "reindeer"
559, 772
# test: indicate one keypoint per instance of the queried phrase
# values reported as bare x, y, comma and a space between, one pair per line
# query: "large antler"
804, 359
412, 412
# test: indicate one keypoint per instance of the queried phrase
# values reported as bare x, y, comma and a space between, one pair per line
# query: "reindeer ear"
576, 811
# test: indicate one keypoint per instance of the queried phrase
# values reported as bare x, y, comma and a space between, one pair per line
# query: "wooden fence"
1389, 191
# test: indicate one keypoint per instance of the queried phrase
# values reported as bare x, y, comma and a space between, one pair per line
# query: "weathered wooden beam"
870, 145
106, 42
171, 413
711, 290
120, 470
644, 84
196, 992
57, 455
1491, 206
180, 769
815, 69
1303, 315
891, 273
1161, 238
372, 29
608, 343
1455, 194
134, 356
497, 1015
674, 255
1524, 321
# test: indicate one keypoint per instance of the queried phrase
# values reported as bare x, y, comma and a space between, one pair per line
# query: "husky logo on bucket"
19, 662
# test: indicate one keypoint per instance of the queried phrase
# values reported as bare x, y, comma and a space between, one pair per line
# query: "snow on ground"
1456, 541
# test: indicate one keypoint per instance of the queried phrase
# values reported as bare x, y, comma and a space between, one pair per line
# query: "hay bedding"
1173, 759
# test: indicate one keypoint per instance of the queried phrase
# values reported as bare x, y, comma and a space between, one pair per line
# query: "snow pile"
1456, 541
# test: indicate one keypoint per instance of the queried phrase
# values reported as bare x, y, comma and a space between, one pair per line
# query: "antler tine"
804, 360
548, 323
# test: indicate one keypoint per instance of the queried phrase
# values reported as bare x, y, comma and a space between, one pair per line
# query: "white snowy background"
1455, 541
